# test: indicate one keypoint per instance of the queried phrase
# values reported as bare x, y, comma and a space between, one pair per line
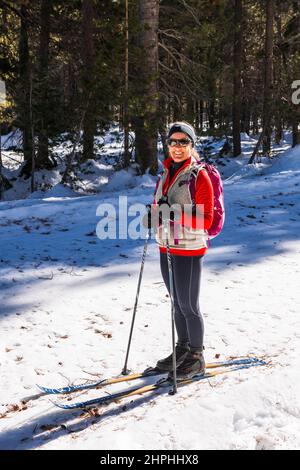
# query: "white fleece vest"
179, 196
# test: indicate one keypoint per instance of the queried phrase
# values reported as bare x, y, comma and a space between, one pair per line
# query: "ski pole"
171, 282
125, 371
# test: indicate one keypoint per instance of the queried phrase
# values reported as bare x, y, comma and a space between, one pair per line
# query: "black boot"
166, 364
192, 365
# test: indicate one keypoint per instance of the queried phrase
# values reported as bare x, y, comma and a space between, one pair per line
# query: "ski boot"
193, 364
166, 364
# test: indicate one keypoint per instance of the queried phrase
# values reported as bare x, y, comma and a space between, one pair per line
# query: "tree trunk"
237, 77
255, 127
43, 160
4, 183
177, 106
201, 111
258, 144
88, 58
278, 127
220, 107
125, 109
296, 133
162, 123
190, 110
278, 80
146, 121
211, 114
24, 70
197, 115
246, 117
268, 80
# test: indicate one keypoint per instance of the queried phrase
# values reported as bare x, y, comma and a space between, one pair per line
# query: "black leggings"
187, 276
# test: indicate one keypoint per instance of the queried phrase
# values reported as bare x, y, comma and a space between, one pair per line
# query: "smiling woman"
181, 270
181, 142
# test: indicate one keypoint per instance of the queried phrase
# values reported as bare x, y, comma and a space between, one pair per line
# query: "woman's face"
180, 153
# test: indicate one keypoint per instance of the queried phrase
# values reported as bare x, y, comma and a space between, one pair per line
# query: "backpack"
219, 206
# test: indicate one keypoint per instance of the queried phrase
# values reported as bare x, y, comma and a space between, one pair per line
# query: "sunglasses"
180, 142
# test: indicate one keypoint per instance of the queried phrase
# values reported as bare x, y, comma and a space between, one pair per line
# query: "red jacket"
204, 194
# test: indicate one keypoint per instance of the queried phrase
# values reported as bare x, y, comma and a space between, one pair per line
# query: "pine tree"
24, 89
88, 60
268, 79
43, 104
237, 78
145, 122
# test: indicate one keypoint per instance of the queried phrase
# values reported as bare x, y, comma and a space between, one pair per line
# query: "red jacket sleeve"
204, 194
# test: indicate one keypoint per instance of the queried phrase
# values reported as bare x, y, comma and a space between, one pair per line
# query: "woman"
186, 252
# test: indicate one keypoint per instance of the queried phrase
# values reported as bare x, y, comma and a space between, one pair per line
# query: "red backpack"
219, 206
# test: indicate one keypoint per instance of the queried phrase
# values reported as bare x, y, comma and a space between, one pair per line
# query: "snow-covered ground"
66, 307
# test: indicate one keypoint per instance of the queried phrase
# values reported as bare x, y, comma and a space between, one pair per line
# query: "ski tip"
56, 403
41, 388
49, 391
61, 405
259, 361
251, 360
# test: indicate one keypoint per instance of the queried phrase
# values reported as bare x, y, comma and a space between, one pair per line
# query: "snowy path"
66, 305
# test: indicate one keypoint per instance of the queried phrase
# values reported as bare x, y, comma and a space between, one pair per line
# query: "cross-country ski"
149, 372
149, 227
158, 385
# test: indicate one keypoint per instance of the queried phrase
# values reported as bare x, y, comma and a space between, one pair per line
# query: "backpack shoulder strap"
197, 167
194, 172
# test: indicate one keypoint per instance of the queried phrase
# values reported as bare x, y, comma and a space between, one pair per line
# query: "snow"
12, 140
66, 307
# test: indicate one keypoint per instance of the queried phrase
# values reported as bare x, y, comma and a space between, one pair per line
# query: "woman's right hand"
148, 219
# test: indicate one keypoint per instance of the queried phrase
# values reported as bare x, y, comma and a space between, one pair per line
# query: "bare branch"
180, 74
191, 11
292, 40
168, 33
172, 51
